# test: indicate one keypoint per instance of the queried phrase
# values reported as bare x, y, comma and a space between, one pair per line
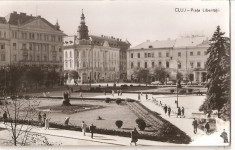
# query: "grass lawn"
109, 112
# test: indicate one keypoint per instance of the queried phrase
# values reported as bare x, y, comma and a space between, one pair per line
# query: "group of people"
119, 92
180, 112
43, 119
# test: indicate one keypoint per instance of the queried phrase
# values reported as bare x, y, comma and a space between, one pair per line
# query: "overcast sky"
136, 21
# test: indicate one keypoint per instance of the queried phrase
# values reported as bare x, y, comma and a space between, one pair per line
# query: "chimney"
14, 12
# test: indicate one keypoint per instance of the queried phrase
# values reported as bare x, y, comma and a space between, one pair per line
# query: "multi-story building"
30, 40
186, 55
95, 58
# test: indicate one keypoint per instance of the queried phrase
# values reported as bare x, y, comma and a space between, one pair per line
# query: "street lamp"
177, 100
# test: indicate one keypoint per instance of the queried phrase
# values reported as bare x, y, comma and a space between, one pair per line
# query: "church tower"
83, 29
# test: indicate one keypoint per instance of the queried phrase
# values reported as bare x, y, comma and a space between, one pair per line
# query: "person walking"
39, 118
66, 120
44, 117
182, 111
134, 136
120, 92
169, 111
4, 117
138, 96
165, 109
81, 95
195, 124
207, 127
113, 92
224, 135
179, 112
47, 123
104, 91
92, 129
84, 128
146, 96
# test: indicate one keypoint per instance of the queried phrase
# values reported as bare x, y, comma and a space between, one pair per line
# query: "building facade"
30, 40
95, 58
186, 55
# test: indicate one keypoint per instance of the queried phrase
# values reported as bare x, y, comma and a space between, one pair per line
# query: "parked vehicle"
156, 83
169, 83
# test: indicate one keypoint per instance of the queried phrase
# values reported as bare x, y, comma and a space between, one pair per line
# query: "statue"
66, 101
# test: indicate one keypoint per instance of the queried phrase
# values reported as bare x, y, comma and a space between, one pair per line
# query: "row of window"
38, 58
149, 55
36, 47
167, 65
37, 36
3, 34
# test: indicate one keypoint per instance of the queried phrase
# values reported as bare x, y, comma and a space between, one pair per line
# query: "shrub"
107, 100
142, 125
138, 120
119, 123
129, 100
124, 86
131, 85
183, 91
190, 90
118, 101
172, 91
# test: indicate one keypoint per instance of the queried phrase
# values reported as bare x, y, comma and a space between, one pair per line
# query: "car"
169, 83
156, 83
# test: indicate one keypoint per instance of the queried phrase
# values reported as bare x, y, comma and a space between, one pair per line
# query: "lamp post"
177, 101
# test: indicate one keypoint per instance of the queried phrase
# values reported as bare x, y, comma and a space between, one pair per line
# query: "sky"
136, 21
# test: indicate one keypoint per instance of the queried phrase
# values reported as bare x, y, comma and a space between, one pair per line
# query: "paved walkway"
68, 137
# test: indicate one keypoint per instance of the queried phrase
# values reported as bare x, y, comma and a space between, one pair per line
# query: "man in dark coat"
4, 117
182, 110
92, 130
195, 124
207, 127
179, 112
165, 109
134, 136
224, 135
169, 111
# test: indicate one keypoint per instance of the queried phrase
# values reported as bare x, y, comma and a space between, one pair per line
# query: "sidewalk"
68, 137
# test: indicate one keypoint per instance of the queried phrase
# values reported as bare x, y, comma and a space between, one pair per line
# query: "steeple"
57, 26
83, 29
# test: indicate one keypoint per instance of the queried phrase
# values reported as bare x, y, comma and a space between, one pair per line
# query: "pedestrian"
195, 124
169, 111
104, 91
47, 123
81, 95
207, 127
39, 118
66, 121
160, 103
224, 135
134, 136
4, 117
146, 96
138, 96
44, 117
179, 112
113, 92
141, 94
165, 109
120, 92
182, 111
71, 90
84, 128
92, 129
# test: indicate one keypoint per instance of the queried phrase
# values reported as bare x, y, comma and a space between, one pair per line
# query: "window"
138, 64
30, 46
60, 50
2, 46
66, 55
14, 46
138, 55
70, 54
131, 55
153, 64
3, 57
152, 55
150, 46
198, 53
198, 64
24, 46
179, 65
146, 65
159, 63
66, 64
132, 65
149, 54
191, 53
191, 64
167, 64
167, 54
159, 54
179, 54
145, 55
70, 64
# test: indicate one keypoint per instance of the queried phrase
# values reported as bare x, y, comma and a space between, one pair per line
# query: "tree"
142, 75
20, 110
216, 96
160, 74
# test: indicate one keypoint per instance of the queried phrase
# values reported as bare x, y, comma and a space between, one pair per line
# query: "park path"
68, 137
184, 124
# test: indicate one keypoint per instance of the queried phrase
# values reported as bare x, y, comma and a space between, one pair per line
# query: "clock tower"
83, 29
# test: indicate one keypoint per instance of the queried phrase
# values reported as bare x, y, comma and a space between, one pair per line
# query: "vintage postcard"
115, 73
